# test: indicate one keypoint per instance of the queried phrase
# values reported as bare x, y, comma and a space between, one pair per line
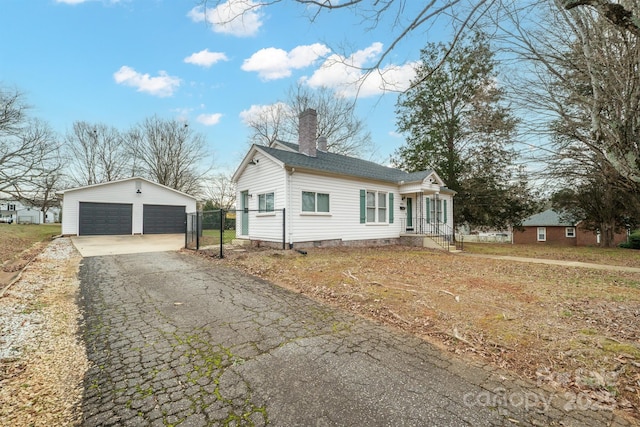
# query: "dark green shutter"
390, 208
363, 206
428, 211
445, 211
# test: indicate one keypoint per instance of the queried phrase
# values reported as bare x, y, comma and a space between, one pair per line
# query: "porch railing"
439, 232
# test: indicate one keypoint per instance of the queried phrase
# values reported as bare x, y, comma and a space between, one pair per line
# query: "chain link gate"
213, 229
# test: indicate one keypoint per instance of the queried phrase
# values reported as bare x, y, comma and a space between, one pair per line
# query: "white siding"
266, 176
343, 220
341, 223
120, 192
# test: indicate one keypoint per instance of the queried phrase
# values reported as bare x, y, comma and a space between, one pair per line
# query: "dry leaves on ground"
42, 361
573, 328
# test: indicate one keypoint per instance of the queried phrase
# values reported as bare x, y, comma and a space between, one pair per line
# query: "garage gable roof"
135, 178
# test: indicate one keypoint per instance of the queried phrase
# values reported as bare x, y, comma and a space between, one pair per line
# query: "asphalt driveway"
176, 339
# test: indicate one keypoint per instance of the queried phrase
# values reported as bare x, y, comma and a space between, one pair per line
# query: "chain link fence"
212, 230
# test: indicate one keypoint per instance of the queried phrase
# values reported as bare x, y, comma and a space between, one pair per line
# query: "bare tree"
96, 153
170, 153
581, 87
581, 79
42, 192
404, 18
268, 123
221, 191
614, 12
337, 121
29, 148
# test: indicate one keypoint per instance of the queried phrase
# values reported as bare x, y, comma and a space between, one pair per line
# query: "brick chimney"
307, 129
322, 144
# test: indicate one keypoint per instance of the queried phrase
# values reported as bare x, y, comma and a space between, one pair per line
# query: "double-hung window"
570, 232
376, 206
542, 234
265, 202
315, 202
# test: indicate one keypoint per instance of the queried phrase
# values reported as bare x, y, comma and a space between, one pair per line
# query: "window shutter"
428, 210
445, 211
390, 208
363, 206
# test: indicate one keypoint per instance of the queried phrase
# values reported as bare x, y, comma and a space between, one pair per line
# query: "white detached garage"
128, 206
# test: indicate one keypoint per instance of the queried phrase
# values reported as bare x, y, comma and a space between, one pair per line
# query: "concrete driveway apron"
89, 246
175, 339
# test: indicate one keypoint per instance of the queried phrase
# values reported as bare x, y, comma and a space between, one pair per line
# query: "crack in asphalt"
176, 340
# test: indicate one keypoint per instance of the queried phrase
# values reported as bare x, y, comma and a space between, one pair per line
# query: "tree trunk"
607, 234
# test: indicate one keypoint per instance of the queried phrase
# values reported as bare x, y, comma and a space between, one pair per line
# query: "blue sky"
118, 62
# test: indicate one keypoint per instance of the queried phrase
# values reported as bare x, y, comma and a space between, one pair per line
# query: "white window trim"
544, 239
315, 213
266, 212
376, 220
566, 232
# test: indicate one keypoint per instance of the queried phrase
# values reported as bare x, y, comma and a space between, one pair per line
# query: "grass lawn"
572, 328
15, 238
212, 237
594, 254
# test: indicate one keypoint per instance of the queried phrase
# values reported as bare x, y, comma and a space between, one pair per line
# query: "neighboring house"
128, 206
548, 228
332, 199
25, 214
53, 215
9, 208
29, 215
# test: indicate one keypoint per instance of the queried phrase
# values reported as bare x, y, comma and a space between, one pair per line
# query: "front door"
409, 213
244, 205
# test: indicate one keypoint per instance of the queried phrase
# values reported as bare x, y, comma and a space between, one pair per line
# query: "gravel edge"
42, 357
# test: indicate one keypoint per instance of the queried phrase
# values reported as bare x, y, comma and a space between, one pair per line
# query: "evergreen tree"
455, 122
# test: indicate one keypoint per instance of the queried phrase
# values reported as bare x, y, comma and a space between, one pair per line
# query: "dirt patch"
575, 329
17, 262
42, 363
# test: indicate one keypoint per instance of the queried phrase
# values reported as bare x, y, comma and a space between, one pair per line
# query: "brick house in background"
548, 228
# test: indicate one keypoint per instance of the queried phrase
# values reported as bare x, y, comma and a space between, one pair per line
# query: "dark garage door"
161, 219
104, 218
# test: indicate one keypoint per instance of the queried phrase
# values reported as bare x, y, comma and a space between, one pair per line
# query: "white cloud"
240, 18
348, 76
204, 58
272, 63
209, 119
163, 85
260, 113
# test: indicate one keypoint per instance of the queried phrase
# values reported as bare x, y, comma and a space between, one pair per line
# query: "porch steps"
241, 242
429, 242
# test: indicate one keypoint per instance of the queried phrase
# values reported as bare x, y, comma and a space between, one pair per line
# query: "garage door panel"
104, 219
163, 219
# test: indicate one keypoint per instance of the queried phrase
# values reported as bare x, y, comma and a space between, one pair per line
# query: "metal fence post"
284, 233
197, 231
222, 219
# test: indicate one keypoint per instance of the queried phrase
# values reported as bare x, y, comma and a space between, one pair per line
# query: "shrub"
633, 242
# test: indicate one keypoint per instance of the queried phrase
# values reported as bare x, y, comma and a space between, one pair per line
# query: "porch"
424, 232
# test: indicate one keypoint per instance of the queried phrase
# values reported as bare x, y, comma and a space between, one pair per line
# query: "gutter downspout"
290, 172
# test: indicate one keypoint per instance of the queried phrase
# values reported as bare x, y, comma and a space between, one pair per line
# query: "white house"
128, 206
332, 199
20, 213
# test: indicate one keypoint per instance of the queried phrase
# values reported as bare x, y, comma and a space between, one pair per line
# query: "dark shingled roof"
548, 218
341, 164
